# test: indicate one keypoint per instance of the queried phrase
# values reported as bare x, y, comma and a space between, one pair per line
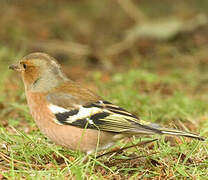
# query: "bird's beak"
16, 67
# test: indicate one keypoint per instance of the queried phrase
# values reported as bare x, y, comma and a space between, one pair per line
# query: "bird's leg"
127, 147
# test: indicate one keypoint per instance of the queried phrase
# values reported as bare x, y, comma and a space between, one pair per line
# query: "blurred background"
156, 47
108, 34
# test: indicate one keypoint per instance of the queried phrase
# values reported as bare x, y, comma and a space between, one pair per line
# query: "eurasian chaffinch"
73, 116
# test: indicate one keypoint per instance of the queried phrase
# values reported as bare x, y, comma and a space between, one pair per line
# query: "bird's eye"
24, 66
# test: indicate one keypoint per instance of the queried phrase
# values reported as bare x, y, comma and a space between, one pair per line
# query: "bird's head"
39, 71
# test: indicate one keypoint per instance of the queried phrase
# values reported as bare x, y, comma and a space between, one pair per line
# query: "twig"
152, 29
146, 155
132, 10
7, 159
61, 46
122, 149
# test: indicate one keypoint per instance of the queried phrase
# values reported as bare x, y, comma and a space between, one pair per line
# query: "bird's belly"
84, 140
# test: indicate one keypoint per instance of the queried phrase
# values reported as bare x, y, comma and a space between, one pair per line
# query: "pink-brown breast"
85, 140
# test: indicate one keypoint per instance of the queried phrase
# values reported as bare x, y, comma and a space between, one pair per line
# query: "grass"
168, 99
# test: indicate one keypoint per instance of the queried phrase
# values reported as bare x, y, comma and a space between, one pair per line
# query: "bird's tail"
152, 128
175, 132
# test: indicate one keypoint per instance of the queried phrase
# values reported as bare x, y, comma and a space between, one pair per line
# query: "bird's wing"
100, 115
77, 106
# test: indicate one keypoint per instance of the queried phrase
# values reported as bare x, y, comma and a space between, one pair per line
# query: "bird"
73, 116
